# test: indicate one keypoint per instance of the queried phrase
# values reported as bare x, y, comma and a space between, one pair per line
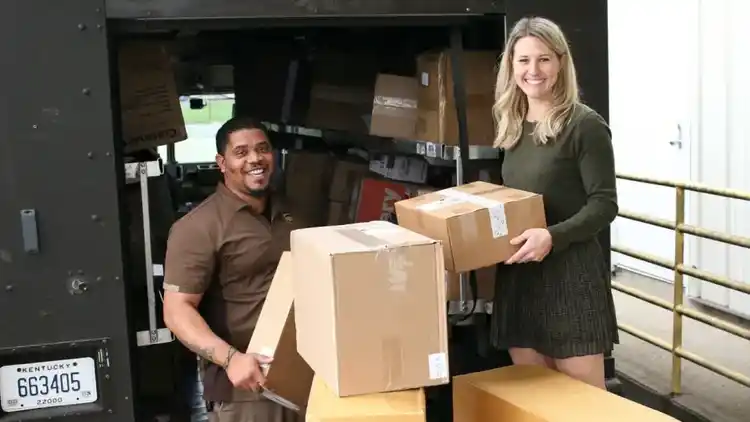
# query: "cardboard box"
399, 406
485, 284
307, 183
394, 107
347, 174
475, 221
538, 394
375, 198
355, 286
338, 213
343, 85
337, 107
438, 121
288, 377
149, 102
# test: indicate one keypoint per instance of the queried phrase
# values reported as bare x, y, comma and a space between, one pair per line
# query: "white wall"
722, 153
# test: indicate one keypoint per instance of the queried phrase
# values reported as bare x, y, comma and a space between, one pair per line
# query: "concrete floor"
706, 393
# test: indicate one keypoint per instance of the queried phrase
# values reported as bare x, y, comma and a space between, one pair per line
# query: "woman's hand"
537, 243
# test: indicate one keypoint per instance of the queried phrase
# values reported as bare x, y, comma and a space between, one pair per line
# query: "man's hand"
537, 244
244, 371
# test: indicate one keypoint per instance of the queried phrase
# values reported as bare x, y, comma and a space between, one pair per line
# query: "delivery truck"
93, 89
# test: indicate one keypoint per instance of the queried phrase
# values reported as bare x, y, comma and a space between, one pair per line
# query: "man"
222, 256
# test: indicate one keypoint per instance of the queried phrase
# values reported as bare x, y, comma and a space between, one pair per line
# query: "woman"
553, 303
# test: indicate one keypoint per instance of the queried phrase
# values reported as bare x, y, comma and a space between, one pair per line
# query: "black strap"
459, 93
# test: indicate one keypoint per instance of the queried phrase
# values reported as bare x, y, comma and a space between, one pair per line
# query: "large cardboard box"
398, 406
288, 377
370, 307
438, 121
343, 84
475, 221
394, 108
149, 102
337, 107
307, 183
537, 394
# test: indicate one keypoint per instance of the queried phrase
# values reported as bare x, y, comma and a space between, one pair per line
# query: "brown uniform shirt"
229, 254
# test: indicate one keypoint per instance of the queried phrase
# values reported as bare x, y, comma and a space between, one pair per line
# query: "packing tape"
496, 209
373, 234
394, 102
393, 106
393, 358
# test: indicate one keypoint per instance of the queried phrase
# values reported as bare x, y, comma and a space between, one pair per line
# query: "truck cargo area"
314, 86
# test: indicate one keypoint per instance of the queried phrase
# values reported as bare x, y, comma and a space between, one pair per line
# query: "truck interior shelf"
377, 144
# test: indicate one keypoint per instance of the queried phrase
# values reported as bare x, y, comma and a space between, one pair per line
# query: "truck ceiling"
290, 9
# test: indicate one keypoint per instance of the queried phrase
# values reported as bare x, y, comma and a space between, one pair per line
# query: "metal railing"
677, 306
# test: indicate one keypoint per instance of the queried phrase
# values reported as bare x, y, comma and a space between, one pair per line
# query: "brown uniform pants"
253, 411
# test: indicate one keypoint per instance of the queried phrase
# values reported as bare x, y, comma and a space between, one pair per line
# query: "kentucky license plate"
47, 384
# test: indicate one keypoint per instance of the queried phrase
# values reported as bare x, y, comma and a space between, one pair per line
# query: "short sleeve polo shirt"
228, 253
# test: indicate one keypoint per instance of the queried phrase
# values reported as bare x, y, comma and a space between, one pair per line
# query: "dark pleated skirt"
562, 307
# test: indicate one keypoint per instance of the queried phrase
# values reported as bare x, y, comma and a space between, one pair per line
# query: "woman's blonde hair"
511, 104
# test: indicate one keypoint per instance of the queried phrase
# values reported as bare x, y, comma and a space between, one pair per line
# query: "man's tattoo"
207, 353
204, 352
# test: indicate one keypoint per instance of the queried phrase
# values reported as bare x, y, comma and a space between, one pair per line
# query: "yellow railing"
677, 307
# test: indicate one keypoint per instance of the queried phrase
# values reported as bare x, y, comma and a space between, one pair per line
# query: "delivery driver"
220, 260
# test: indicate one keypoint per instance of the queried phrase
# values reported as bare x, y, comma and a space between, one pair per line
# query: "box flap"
288, 377
362, 237
275, 310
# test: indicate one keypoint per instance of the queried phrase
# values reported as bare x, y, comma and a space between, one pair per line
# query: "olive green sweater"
575, 174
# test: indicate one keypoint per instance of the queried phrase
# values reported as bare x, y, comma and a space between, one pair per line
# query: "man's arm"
189, 269
182, 318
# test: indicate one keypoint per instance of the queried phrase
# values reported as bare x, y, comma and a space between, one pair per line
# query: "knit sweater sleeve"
592, 146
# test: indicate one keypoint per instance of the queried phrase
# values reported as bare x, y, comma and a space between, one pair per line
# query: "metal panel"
64, 296
201, 9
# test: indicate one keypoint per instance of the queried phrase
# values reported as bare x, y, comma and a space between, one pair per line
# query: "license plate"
47, 384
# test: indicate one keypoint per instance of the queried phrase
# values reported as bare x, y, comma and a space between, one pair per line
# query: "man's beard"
258, 193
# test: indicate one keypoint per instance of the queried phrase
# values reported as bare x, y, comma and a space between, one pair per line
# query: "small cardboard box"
537, 394
437, 119
288, 377
394, 108
399, 406
356, 286
475, 221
